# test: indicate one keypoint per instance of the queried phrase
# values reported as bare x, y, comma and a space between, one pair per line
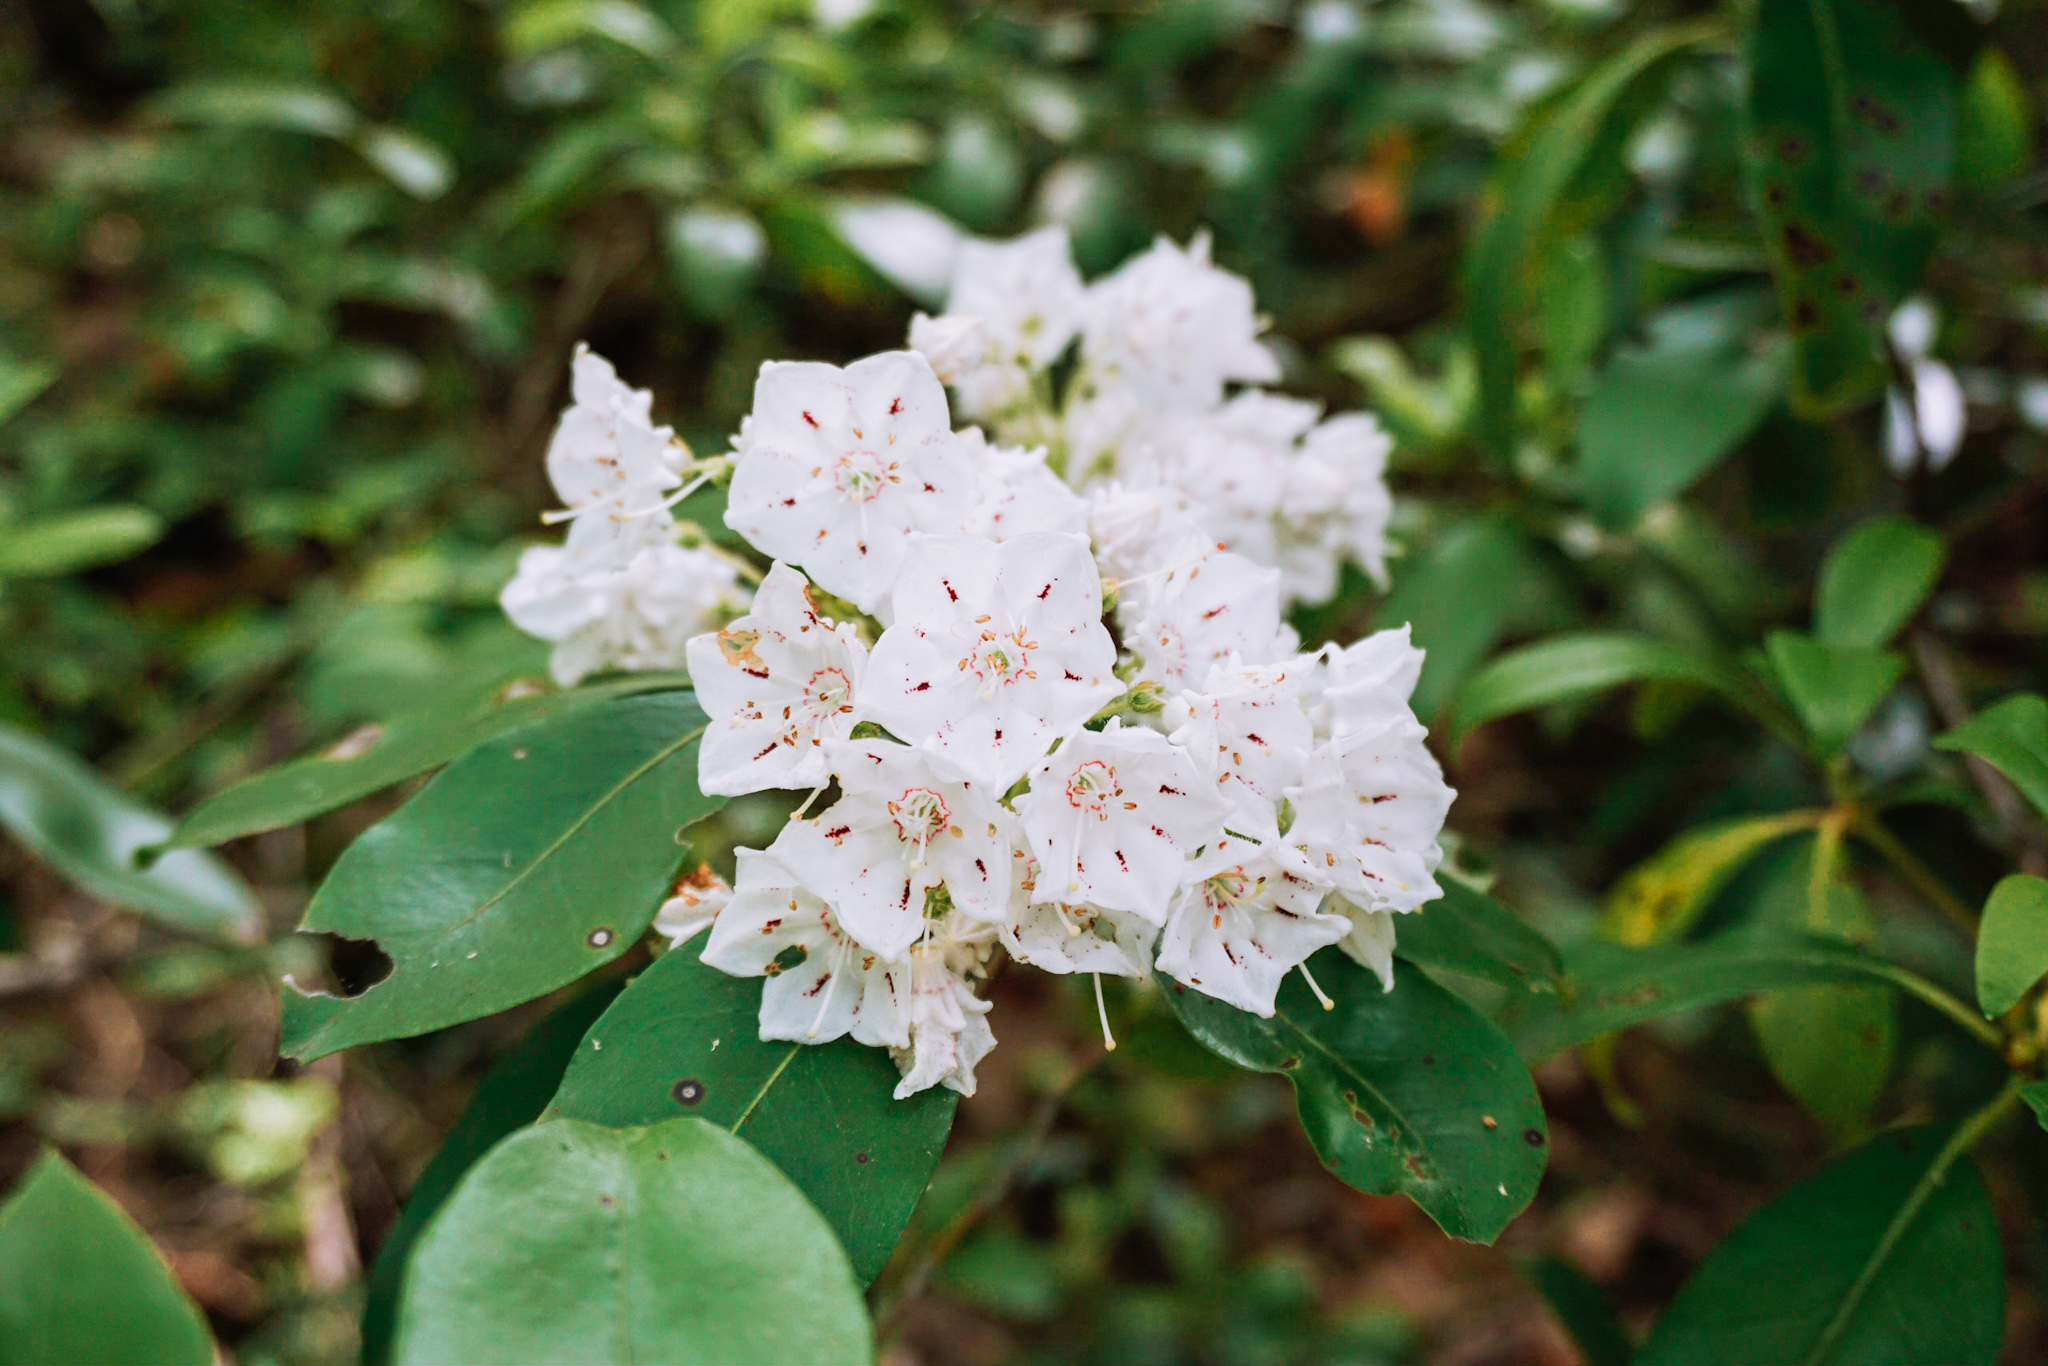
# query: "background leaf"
1581, 1306
79, 1282
65, 542
1661, 897
674, 1242
540, 855
1833, 688
1395, 1089
2012, 943
1468, 932
1772, 1288
1456, 599
2011, 736
1567, 667
685, 1038
1873, 581
90, 832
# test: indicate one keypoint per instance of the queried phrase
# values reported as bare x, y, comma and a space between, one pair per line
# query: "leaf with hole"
685, 1039
1409, 1090
1845, 1268
79, 1282
571, 1242
1874, 580
2012, 737
65, 815
537, 857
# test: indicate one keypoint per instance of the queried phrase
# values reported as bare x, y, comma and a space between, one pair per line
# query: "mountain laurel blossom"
1042, 670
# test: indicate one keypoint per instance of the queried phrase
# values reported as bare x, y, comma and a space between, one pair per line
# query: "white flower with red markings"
1011, 310
1368, 812
1173, 329
1248, 728
611, 467
949, 1031
838, 467
1019, 493
1073, 936
777, 684
1247, 914
996, 651
1193, 617
640, 616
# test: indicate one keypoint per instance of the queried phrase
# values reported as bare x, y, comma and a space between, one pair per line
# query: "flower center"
828, 693
1229, 887
1000, 658
861, 475
1091, 786
920, 813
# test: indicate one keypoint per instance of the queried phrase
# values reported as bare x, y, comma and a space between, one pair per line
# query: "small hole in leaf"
352, 967
861, 1158
599, 937
688, 1091
1533, 1137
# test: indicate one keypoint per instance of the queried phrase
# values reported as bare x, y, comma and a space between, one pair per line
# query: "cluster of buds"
1058, 714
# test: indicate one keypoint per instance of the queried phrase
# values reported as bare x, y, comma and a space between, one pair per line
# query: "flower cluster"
1059, 715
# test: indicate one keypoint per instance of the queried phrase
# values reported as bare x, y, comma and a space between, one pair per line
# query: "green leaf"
1994, 125
66, 542
1566, 667
79, 1282
1469, 932
63, 813
1833, 688
1849, 129
1456, 599
1664, 413
1408, 1090
375, 757
1534, 185
685, 1038
2035, 1094
1581, 1306
1660, 898
2013, 738
511, 1096
539, 856
21, 382
674, 1242
2012, 943
1874, 580
1931, 1290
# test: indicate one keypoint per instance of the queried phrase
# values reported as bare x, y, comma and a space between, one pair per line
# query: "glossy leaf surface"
1409, 1090
2013, 738
79, 1282
1468, 932
2012, 942
67, 816
571, 1242
539, 856
685, 1039
1874, 580
375, 757
1813, 1277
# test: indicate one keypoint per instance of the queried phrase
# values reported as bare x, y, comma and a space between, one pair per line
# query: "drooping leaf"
685, 1039
2012, 943
1468, 932
375, 757
66, 542
1821, 1275
1455, 599
1874, 580
511, 1096
1849, 139
1533, 187
1833, 688
63, 813
1666, 412
540, 855
1660, 898
2012, 737
79, 1282
1581, 1306
1582, 663
1408, 1090
571, 1242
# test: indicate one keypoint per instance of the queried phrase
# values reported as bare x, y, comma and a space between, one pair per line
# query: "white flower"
1369, 811
1067, 936
777, 684
949, 1033
1143, 526
1173, 329
1333, 504
1198, 615
1232, 463
699, 895
610, 466
996, 651
1247, 915
1371, 941
835, 469
1248, 728
821, 984
1019, 492
637, 617
1934, 417
1367, 681
1112, 818
1012, 309
881, 854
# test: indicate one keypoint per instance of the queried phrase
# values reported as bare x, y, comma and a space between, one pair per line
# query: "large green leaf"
571, 1242
686, 1039
1833, 688
1533, 187
1468, 932
1408, 1090
2012, 942
66, 542
80, 1283
1582, 1309
1582, 663
1845, 1267
375, 757
1666, 412
1455, 598
65, 815
1848, 147
2013, 738
511, 1096
1874, 580
519, 868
